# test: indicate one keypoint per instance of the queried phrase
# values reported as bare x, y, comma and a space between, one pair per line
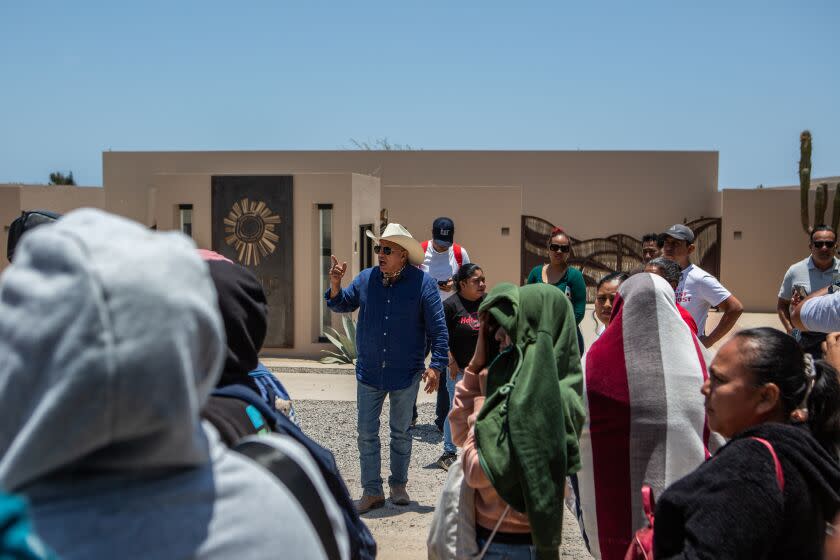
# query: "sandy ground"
400, 532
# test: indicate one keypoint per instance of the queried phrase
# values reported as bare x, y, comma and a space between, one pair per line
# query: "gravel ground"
399, 531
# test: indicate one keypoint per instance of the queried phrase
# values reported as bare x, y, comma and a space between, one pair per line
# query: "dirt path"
400, 532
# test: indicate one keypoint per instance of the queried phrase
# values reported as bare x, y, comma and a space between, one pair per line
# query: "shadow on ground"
390, 510
426, 433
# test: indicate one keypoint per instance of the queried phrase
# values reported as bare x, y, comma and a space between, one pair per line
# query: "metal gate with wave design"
596, 258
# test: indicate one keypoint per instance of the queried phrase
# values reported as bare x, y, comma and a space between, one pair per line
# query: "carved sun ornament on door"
249, 228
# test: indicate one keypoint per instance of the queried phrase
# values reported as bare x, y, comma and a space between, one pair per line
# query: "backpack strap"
295, 479
459, 256
780, 475
648, 502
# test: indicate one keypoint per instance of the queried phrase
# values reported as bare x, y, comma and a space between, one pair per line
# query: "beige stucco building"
334, 195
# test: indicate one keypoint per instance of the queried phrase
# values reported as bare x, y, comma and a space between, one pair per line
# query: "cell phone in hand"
799, 292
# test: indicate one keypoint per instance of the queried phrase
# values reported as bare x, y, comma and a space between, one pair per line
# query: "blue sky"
741, 77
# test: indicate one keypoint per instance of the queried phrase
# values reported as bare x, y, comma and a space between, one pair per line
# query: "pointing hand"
336, 271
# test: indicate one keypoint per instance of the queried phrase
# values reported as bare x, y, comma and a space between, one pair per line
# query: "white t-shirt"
442, 266
697, 292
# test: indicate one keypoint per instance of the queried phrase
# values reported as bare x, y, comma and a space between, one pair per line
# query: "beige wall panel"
367, 201
594, 194
61, 198
172, 190
591, 193
309, 191
9, 211
771, 239
479, 214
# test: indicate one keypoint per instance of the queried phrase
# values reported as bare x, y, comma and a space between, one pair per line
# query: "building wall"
173, 190
771, 239
61, 198
9, 210
355, 200
591, 194
367, 200
479, 213
58, 198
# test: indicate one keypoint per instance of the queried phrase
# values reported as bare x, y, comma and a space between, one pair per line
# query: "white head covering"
110, 342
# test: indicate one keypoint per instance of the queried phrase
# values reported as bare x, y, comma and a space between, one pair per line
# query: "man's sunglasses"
826, 244
384, 250
561, 248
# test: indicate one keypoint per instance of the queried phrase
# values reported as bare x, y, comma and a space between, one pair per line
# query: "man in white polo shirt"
698, 291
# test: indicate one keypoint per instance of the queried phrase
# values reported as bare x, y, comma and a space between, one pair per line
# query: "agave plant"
346, 343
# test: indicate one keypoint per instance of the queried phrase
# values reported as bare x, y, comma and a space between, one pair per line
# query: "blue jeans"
369, 402
501, 551
448, 446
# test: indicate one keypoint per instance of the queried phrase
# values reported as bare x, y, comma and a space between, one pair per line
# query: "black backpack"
27, 221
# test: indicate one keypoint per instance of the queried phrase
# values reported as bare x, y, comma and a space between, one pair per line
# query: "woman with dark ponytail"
461, 312
772, 490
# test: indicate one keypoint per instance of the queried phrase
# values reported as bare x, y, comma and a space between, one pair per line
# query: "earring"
799, 415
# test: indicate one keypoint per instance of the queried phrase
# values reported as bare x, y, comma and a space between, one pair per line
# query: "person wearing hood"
244, 310
518, 419
111, 340
249, 400
645, 422
399, 311
780, 408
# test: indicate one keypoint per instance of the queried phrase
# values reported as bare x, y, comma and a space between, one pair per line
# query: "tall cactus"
820, 203
805, 178
835, 211
822, 194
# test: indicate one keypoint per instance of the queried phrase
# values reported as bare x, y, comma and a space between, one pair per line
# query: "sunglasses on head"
821, 244
384, 250
561, 248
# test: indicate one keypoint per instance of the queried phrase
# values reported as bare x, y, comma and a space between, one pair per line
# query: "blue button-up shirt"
393, 326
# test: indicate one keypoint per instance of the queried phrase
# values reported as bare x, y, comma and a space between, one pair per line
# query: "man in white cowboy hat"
399, 309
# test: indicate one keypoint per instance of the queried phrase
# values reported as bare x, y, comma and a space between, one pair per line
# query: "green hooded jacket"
528, 429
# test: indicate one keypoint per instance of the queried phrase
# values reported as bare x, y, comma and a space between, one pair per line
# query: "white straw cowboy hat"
395, 233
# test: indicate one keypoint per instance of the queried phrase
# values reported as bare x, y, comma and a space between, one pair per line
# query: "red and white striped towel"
646, 420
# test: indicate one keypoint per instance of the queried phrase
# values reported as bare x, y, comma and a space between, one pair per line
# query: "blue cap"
443, 231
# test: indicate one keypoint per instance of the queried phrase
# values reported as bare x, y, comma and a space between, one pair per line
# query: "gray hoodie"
110, 342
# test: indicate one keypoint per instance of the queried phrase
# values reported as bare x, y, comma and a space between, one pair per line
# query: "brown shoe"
367, 503
399, 497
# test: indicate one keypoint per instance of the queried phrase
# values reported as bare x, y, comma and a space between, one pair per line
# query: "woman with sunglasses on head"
770, 491
558, 273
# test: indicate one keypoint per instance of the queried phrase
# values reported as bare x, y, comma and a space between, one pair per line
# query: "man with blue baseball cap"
443, 256
442, 259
